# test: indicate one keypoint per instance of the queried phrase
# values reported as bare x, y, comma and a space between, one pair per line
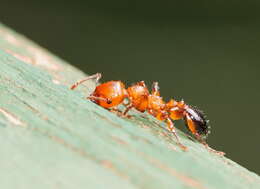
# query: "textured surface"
53, 138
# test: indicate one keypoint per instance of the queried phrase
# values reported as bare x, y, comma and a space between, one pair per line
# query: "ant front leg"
117, 111
128, 107
96, 98
96, 76
172, 129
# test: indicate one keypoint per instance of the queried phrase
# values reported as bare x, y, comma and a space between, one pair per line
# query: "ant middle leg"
96, 76
172, 129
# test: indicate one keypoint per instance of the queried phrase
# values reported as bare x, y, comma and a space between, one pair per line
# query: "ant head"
196, 122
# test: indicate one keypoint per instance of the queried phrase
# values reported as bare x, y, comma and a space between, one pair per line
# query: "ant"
112, 93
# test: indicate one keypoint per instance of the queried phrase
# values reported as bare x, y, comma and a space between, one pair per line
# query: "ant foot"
119, 113
217, 152
214, 151
126, 116
184, 148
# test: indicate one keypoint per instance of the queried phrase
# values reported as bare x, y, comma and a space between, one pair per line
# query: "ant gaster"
112, 93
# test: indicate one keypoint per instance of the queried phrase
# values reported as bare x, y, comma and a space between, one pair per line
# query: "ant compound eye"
197, 122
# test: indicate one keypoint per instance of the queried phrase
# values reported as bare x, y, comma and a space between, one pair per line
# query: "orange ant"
112, 93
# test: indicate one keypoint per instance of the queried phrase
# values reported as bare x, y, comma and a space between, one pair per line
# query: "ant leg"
151, 112
128, 108
96, 98
155, 89
96, 76
141, 83
127, 104
172, 129
207, 146
117, 111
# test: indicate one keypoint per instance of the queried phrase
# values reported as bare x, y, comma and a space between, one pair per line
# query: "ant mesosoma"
112, 93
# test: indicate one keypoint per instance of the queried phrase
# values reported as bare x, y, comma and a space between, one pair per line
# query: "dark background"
206, 52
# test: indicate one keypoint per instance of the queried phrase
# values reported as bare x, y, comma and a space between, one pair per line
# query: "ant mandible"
112, 93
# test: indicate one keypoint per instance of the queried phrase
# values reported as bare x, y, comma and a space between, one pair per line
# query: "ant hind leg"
207, 146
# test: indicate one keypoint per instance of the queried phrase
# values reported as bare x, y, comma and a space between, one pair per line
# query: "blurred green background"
206, 52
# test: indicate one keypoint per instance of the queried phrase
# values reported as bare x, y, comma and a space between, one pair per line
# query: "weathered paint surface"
51, 137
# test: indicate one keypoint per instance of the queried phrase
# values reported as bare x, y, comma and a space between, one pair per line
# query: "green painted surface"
53, 138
